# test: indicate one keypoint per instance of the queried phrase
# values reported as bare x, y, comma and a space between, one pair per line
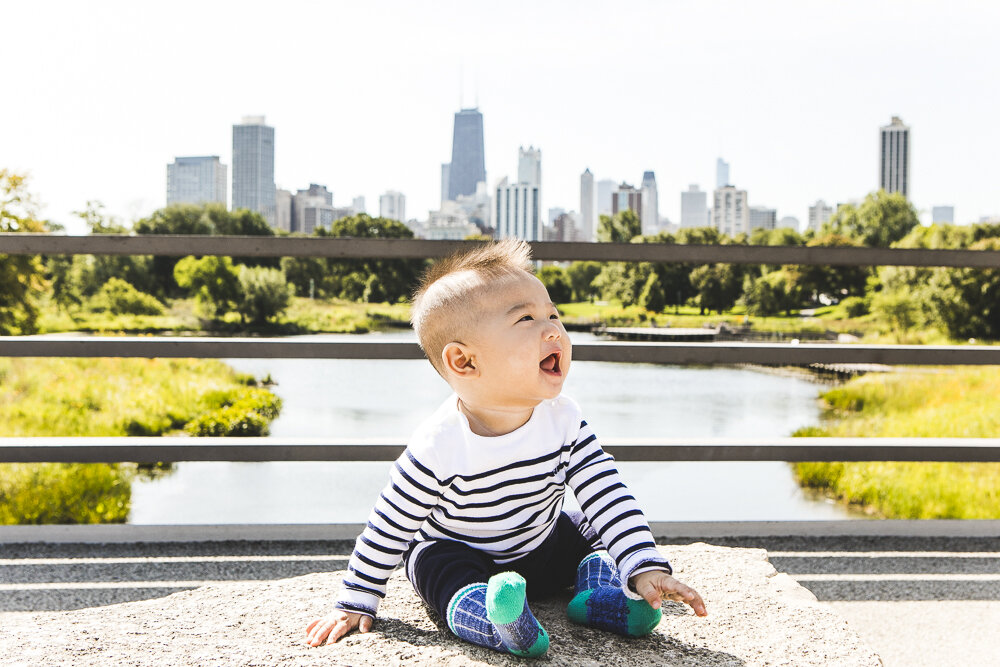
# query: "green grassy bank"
112, 397
940, 402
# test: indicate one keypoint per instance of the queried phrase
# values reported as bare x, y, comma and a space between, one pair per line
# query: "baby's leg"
454, 580
601, 602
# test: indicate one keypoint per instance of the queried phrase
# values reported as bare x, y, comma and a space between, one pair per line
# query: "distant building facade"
450, 223
563, 228
588, 222
253, 167
468, 157
606, 189
529, 165
517, 211
819, 213
694, 208
762, 217
627, 198
789, 221
196, 180
894, 157
650, 205
283, 210
312, 208
392, 205
730, 213
943, 214
445, 180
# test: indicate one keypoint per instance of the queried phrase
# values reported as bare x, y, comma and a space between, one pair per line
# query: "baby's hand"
657, 585
335, 626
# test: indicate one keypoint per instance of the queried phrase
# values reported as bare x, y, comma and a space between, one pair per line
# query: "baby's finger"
312, 625
365, 625
339, 630
691, 598
650, 593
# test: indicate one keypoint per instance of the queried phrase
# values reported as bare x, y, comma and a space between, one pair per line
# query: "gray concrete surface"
241, 609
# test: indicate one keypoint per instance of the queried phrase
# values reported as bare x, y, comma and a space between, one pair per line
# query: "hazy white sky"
99, 96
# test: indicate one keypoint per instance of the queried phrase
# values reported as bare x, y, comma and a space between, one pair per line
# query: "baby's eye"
526, 318
554, 316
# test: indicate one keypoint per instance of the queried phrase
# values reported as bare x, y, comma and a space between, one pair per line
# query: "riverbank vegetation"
937, 402
112, 397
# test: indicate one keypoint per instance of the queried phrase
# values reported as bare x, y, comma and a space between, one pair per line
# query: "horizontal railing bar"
357, 248
665, 532
628, 352
153, 449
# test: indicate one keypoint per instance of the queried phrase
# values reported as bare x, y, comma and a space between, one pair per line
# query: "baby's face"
520, 346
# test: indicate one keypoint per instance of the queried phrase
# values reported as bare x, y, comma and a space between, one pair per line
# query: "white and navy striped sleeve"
611, 509
402, 507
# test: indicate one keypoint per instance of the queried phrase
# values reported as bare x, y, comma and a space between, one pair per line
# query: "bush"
557, 283
37, 493
265, 293
652, 298
854, 306
239, 413
120, 298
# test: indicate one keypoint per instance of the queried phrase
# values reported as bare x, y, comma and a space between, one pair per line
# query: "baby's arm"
657, 585
336, 625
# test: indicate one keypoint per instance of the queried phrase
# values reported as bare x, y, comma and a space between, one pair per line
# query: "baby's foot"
608, 608
507, 608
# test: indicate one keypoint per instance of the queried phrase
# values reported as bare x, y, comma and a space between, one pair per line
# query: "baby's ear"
458, 361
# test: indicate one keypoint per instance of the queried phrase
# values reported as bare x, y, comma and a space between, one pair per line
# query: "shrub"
121, 298
239, 413
557, 283
854, 306
265, 293
37, 493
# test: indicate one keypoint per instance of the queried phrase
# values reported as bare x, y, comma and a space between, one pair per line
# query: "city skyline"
809, 130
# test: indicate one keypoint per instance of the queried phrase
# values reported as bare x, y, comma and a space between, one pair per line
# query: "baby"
474, 505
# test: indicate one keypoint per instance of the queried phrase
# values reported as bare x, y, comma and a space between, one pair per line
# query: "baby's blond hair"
445, 300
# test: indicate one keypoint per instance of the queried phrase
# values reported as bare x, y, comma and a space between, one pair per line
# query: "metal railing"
300, 449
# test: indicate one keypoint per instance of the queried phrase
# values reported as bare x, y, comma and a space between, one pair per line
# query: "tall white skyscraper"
196, 180
392, 205
606, 189
587, 218
253, 167
283, 210
762, 217
721, 173
694, 207
445, 180
894, 157
650, 205
730, 214
818, 214
529, 165
517, 211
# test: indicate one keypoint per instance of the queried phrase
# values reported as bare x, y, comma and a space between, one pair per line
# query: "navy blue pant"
444, 567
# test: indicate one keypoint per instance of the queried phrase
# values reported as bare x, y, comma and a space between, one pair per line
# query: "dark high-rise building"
253, 167
468, 159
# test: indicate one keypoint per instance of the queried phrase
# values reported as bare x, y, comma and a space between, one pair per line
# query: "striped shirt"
501, 495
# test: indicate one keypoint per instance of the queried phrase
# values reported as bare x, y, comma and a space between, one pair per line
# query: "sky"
100, 96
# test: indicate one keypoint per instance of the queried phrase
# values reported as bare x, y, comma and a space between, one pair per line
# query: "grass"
303, 316
111, 397
957, 402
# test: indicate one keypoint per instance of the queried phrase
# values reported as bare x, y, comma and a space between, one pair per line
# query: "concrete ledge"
665, 531
756, 617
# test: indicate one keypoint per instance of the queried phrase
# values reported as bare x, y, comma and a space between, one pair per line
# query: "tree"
21, 276
880, 220
121, 298
967, 301
264, 293
838, 282
770, 294
177, 219
213, 281
347, 279
557, 283
718, 286
581, 277
652, 297
620, 228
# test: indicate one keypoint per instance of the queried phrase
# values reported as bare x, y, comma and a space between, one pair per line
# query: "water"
372, 398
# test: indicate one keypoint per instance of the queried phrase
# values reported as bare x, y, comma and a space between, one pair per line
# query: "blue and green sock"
600, 601
496, 615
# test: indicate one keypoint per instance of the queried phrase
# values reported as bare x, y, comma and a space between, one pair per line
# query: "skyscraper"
517, 211
894, 157
468, 157
730, 214
196, 180
392, 205
762, 217
253, 167
606, 189
721, 173
694, 207
818, 214
445, 178
312, 208
529, 165
627, 197
358, 204
587, 220
650, 205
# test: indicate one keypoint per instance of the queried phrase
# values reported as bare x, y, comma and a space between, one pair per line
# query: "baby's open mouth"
550, 364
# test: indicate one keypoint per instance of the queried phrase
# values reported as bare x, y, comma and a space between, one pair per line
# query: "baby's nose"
553, 332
